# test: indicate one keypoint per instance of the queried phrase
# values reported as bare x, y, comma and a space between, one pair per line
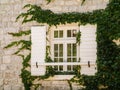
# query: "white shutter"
88, 49
38, 50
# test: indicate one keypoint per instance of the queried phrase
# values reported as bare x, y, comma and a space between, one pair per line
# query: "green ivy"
108, 53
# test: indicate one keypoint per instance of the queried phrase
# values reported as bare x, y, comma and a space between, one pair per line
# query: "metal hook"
36, 65
88, 63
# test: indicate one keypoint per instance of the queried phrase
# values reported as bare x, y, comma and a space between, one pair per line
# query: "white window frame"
72, 39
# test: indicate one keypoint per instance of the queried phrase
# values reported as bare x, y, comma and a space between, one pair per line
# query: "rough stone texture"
7, 87
1, 82
10, 65
16, 87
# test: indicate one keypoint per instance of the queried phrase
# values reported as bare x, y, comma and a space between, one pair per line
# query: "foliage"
21, 33
78, 35
27, 79
47, 16
108, 53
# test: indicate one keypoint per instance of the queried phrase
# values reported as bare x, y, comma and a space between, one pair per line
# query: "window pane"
68, 49
69, 68
55, 59
74, 33
60, 33
56, 68
60, 59
74, 49
74, 67
56, 54
68, 33
69, 60
55, 34
61, 50
55, 47
61, 68
74, 60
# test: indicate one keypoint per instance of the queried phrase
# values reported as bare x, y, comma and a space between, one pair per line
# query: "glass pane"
68, 59
74, 49
61, 34
55, 34
68, 33
60, 59
55, 47
68, 49
69, 68
55, 59
56, 54
74, 60
56, 68
61, 68
61, 50
74, 67
73, 33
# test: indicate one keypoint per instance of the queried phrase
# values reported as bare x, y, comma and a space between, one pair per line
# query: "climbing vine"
108, 53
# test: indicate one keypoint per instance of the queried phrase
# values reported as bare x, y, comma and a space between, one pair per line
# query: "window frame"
65, 40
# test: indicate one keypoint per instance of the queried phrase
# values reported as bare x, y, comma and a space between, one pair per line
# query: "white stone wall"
10, 65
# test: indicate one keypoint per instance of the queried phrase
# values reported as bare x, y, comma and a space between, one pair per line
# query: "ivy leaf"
21, 33
83, 2
48, 1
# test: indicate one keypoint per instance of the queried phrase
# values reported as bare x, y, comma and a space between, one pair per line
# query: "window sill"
61, 77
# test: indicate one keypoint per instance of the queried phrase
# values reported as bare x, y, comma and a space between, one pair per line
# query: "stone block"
71, 2
16, 87
56, 8
6, 59
1, 74
1, 88
56, 88
1, 52
62, 83
2, 12
7, 81
19, 81
0, 59
73, 9
65, 9
10, 67
46, 83
59, 2
1, 82
3, 67
7, 87
8, 52
39, 2
9, 74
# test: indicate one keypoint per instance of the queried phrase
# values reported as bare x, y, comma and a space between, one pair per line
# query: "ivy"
78, 35
21, 33
108, 53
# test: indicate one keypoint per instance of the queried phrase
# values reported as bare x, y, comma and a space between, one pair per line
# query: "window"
65, 53
71, 33
58, 34
58, 56
71, 55
64, 48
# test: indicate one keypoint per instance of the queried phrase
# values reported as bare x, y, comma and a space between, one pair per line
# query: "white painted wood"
65, 40
61, 77
88, 49
65, 63
38, 50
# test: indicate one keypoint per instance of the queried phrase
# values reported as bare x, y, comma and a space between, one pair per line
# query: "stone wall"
10, 65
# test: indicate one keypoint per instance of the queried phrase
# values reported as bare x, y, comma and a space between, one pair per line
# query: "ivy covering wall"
108, 53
